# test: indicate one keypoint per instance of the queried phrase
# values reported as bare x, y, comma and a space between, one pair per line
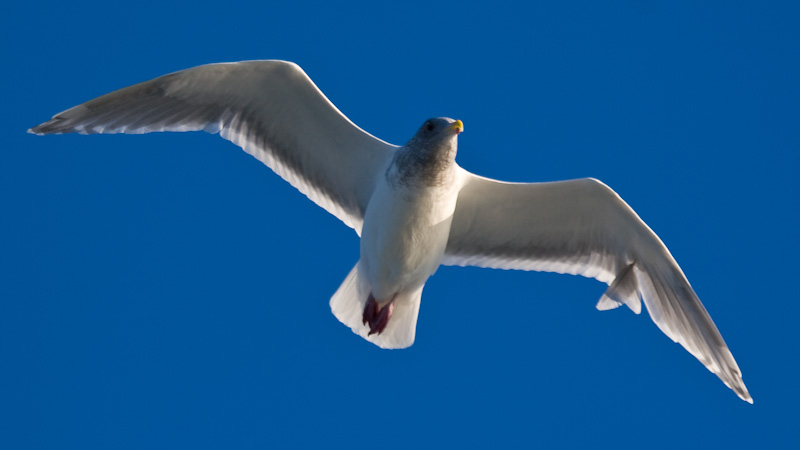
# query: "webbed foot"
375, 316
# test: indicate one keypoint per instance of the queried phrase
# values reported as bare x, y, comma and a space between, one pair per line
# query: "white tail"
348, 303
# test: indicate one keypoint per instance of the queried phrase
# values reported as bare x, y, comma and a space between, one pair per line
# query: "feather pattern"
582, 227
275, 113
269, 108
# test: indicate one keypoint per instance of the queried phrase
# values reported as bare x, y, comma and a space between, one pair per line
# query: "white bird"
412, 205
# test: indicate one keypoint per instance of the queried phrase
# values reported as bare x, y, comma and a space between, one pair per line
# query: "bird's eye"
429, 126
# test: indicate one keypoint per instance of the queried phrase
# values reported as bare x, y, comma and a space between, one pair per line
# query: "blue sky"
169, 291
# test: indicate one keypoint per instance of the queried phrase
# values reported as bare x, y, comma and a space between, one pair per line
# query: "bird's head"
437, 139
430, 154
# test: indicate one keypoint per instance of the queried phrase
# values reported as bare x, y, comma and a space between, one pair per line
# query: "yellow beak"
458, 126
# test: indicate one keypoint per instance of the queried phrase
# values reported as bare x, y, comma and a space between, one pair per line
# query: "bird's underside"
275, 112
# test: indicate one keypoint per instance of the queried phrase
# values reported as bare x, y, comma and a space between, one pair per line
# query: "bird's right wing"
271, 109
582, 227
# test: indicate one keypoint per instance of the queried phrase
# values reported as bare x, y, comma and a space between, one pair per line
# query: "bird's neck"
416, 168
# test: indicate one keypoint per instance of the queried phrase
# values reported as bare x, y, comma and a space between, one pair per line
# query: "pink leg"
375, 316
382, 320
371, 310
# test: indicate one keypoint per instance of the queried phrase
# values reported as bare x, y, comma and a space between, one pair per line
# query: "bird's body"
407, 221
404, 235
413, 206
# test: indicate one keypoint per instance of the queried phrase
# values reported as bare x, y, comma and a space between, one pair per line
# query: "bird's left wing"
582, 227
271, 109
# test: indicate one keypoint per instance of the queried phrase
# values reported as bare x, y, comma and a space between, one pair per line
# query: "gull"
413, 206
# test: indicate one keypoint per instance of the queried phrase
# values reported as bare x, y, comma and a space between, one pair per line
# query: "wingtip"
741, 391
38, 129
46, 128
744, 395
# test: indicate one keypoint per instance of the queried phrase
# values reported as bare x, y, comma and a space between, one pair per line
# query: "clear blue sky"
169, 291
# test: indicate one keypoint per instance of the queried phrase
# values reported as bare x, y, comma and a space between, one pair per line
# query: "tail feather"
348, 303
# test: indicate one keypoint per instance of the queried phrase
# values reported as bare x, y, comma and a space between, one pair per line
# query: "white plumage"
413, 206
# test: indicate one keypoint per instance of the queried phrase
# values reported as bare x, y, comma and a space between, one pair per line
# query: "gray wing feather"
269, 108
583, 227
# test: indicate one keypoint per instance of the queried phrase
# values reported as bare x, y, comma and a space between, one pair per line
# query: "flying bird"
412, 205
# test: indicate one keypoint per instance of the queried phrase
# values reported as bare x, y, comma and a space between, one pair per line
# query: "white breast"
404, 236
